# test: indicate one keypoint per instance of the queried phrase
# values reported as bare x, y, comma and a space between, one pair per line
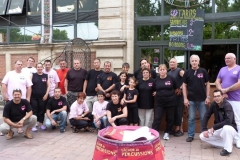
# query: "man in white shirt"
30, 69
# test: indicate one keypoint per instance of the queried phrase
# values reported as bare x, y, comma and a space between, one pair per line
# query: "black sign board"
186, 29
3, 6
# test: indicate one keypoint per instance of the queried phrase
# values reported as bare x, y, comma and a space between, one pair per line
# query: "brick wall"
23, 57
2, 66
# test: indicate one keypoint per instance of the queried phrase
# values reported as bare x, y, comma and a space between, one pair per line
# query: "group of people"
102, 98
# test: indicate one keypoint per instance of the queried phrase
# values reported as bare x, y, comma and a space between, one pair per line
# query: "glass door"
178, 55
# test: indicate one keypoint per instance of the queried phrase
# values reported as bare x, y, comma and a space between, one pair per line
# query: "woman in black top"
116, 113
165, 87
145, 98
39, 96
122, 84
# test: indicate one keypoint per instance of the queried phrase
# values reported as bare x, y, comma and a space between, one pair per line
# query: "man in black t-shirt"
196, 90
56, 111
16, 114
107, 80
90, 84
74, 81
144, 64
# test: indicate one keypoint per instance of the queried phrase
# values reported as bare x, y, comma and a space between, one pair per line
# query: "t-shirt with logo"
228, 78
39, 87
165, 91
130, 93
195, 80
15, 80
16, 112
99, 108
53, 77
145, 98
54, 104
29, 70
115, 109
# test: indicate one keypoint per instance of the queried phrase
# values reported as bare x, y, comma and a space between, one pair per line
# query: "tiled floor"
48, 145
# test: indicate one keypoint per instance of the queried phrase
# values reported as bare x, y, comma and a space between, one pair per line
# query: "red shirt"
62, 74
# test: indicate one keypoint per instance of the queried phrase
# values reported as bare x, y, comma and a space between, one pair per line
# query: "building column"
46, 21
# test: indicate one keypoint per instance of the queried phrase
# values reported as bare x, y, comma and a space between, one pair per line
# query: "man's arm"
181, 73
218, 83
29, 92
4, 92
233, 87
64, 108
124, 115
109, 89
66, 85
207, 101
184, 89
100, 87
85, 86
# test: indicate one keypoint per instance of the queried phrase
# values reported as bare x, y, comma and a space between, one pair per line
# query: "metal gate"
75, 49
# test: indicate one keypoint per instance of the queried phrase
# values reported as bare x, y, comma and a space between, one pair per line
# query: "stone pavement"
49, 145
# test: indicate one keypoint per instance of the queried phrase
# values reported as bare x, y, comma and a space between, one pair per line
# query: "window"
88, 5
63, 32
3, 35
31, 32
65, 5
207, 31
15, 7
3, 6
16, 34
227, 6
87, 31
34, 7
227, 30
178, 55
149, 33
147, 8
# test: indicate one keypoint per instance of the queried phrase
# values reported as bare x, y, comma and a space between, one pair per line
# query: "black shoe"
62, 130
224, 153
53, 127
189, 139
178, 133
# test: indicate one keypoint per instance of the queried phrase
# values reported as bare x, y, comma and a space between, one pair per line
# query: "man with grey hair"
196, 88
228, 81
177, 74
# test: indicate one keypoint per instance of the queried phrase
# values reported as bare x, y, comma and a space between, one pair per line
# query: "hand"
28, 99
154, 94
52, 113
96, 89
205, 134
85, 119
122, 101
224, 90
178, 92
211, 131
207, 101
5, 98
186, 103
53, 123
97, 119
107, 94
225, 95
122, 88
98, 123
45, 97
20, 124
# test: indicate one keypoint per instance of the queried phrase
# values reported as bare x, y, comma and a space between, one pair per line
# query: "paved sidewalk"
49, 145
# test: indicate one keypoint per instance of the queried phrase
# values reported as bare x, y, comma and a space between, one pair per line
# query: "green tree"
60, 34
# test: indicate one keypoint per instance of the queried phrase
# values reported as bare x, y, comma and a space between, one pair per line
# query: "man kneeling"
16, 114
56, 111
224, 128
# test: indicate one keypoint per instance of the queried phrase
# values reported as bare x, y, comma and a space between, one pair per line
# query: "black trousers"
39, 108
179, 111
119, 122
79, 124
158, 114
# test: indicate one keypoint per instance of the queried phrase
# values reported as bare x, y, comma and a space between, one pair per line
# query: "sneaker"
178, 133
62, 130
224, 153
238, 144
166, 136
54, 127
43, 127
34, 129
189, 139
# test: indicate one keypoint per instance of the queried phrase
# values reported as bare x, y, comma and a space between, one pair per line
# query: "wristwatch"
82, 115
24, 118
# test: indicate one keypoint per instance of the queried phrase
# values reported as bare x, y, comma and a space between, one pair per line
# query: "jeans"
192, 115
103, 121
62, 116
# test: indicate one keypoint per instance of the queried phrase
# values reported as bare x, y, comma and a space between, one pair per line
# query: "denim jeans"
192, 115
103, 121
62, 116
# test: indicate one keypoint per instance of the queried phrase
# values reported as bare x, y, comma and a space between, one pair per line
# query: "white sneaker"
166, 136
238, 144
34, 129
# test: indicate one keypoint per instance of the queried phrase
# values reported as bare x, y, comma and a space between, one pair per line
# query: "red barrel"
108, 149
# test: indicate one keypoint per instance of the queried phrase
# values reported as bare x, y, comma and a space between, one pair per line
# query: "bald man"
228, 81
177, 74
